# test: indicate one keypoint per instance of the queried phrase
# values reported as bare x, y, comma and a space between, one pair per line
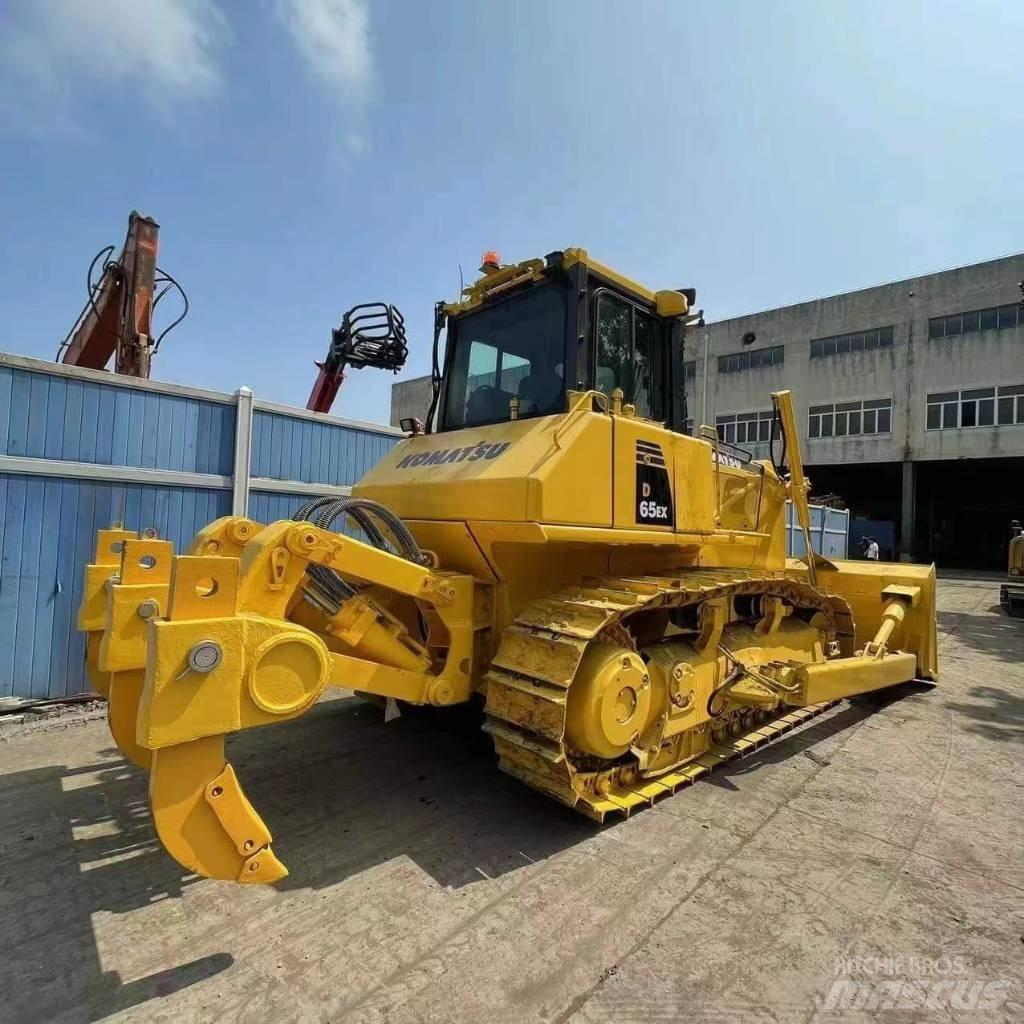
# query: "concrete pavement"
851, 867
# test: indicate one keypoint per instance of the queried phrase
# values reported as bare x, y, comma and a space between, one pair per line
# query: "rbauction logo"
444, 456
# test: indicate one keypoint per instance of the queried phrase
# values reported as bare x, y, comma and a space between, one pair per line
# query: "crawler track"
529, 680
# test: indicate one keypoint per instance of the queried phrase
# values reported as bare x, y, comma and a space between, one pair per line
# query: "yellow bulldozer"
554, 545
1011, 593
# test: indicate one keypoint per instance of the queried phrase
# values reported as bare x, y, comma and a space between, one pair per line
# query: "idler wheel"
609, 702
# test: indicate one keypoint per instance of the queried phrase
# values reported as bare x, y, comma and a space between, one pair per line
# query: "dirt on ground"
867, 867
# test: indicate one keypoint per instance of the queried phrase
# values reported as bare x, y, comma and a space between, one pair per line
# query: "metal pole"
704, 395
243, 453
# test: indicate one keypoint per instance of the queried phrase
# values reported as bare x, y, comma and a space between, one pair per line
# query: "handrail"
782, 402
710, 433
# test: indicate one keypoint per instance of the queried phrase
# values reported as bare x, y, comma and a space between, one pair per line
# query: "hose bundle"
383, 529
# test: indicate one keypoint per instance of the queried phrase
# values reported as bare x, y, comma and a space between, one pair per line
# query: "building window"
857, 341
745, 427
976, 407
995, 318
849, 419
690, 369
1010, 405
761, 357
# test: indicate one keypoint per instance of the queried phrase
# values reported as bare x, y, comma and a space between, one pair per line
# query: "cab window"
514, 348
630, 355
648, 366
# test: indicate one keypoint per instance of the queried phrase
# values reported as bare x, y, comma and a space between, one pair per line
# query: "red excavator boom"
117, 318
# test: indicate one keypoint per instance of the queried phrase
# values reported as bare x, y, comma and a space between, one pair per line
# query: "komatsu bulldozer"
554, 545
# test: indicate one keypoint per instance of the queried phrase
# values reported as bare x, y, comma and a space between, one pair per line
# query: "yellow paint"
197, 830
225, 537
1015, 562
622, 653
632, 288
100, 680
610, 709
287, 672
122, 715
847, 677
862, 584
92, 612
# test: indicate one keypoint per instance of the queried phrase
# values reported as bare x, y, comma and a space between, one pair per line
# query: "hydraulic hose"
323, 512
374, 519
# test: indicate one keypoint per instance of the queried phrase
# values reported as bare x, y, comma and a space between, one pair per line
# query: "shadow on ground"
52, 881
341, 792
997, 714
846, 716
359, 792
993, 635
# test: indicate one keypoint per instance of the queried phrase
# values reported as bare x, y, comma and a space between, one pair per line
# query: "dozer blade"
204, 819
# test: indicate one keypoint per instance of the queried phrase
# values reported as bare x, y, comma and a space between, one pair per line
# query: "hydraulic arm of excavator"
116, 320
612, 590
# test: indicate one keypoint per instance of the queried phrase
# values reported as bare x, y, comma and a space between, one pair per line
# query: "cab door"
630, 354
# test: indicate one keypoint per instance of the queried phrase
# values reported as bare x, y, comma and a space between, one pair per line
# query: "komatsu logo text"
445, 456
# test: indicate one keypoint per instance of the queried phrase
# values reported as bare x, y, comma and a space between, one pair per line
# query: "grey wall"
410, 398
907, 372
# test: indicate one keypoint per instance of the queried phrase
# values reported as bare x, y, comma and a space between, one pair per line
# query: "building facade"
910, 396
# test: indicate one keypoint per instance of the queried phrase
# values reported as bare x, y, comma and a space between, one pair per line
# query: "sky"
305, 155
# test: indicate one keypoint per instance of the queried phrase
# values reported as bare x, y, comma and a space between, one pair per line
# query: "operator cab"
524, 336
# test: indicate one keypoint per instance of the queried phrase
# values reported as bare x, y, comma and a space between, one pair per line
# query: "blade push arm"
797, 483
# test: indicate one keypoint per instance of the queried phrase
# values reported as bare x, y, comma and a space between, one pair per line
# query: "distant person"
872, 552
863, 544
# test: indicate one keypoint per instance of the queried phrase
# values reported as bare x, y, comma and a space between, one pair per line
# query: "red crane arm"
325, 389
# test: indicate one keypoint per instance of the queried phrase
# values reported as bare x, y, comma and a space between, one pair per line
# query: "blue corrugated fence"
830, 532
287, 448
80, 449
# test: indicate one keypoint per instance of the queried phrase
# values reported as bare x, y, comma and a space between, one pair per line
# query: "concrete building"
910, 394
410, 398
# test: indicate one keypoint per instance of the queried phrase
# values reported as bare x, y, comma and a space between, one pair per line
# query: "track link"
529, 679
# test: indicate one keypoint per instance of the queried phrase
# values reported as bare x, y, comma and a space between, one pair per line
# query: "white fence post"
243, 453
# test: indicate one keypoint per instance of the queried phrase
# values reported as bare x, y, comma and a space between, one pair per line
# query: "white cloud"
51, 49
334, 38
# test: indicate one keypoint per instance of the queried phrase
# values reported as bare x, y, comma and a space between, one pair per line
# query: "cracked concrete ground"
881, 845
